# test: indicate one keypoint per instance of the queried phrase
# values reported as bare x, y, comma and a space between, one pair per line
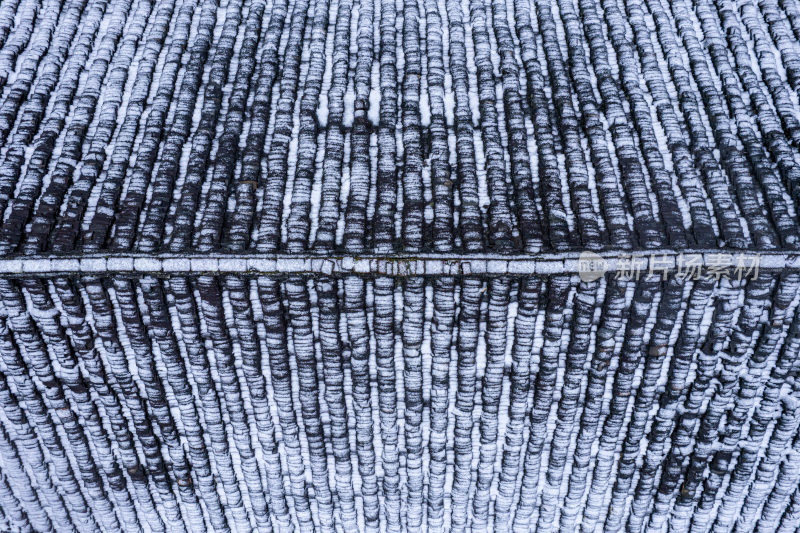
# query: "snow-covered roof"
320, 128
399, 265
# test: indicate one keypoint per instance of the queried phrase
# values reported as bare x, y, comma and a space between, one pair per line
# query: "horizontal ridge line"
645, 261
